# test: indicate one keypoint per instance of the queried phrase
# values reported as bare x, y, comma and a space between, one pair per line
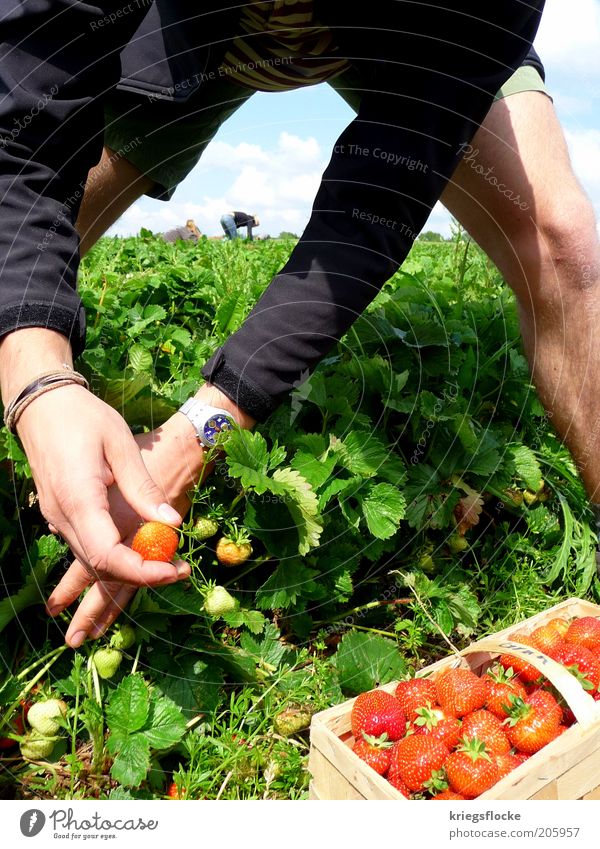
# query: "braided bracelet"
43, 383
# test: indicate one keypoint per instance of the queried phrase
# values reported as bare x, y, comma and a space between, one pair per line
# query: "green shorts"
165, 140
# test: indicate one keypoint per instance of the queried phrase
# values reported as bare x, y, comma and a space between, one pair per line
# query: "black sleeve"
57, 58
433, 71
533, 60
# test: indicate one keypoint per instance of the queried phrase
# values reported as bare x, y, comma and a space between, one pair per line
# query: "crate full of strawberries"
513, 716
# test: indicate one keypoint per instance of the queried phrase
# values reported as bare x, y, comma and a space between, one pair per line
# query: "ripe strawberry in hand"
414, 694
414, 759
584, 632
500, 684
483, 725
376, 713
533, 722
156, 541
460, 691
434, 722
374, 751
471, 770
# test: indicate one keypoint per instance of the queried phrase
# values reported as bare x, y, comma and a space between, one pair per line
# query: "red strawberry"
155, 541
414, 694
376, 713
560, 730
500, 685
560, 624
506, 763
519, 665
483, 725
449, 795
581, 663
460, 691
533, 721
547, 638
414, 760
584, 632
521, 757
394, 778
173, 792
470, 769
374, 751
434, 722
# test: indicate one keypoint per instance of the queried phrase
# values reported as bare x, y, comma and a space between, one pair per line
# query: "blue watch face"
216, 425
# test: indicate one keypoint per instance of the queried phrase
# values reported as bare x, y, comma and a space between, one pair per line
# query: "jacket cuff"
245, 394
71, 323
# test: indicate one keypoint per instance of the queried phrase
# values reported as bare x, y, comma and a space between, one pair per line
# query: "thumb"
135, 484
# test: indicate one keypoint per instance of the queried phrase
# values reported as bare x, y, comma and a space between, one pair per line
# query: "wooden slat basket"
567, 768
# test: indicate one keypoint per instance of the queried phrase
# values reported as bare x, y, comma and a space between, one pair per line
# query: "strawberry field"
410, 496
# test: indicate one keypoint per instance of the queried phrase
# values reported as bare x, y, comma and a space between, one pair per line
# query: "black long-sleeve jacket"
430, 72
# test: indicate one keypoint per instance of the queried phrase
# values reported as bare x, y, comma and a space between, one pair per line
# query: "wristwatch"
209, 422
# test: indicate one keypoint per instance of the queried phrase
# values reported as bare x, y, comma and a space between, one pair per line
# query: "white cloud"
569, 37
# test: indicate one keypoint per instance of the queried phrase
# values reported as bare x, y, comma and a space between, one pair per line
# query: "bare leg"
111, 187
548, 251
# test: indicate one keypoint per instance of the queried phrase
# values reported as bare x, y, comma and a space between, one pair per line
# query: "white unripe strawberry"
43, 716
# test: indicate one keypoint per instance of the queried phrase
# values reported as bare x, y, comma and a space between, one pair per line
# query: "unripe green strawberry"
204, 528
123, 638
291, 720
107, 661
36, 746
218, 602
43, 716
457, 543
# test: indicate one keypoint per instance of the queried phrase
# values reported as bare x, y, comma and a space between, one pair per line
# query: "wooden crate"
567, 768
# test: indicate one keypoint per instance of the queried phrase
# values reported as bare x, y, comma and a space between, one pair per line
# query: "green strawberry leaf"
290, 581
166, 724
302, 503
365, 660
128, 706
132, 760
383, 507
248, 459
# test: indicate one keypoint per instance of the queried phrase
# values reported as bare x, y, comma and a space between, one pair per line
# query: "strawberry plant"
410, 491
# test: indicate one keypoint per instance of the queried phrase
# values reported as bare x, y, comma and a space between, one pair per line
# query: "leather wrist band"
39, 386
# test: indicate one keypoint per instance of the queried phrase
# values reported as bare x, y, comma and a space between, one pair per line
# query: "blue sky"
268, 157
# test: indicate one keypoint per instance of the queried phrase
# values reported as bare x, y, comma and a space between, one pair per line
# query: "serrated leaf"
361, 453
526, 466
316, 470
269, 649
383, 507
248, 459
191, 683
128, 706
132, 761
365, 660
286, 585
253, 620
302, 504
140, 358
166, 724
230, 312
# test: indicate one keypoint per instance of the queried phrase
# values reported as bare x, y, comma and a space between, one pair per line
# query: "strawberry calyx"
429, 716
500, 674
382, 742
474, 748
518, 710
576, 671
438, 782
